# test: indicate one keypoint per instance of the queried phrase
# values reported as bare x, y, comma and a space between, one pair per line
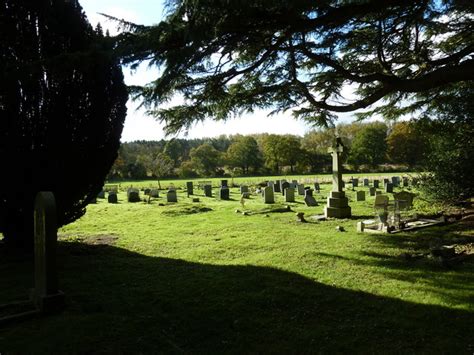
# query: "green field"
202, 278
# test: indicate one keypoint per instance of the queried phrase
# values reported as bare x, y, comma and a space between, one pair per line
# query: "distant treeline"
371, 146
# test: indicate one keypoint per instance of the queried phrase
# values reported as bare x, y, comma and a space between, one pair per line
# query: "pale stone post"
337, 202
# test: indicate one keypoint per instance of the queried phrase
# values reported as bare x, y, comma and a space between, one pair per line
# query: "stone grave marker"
276, 186
46, 294
171, 196
317, 188
295, 182
372, 191
355, 182
308, 192
155, 193
112, 197
284, 185
146, 191
244, 189
290, 194
385, 182
395, 180
268, 196
224, 183
300, 189
360, 196
190, 188
101, 194
376, 183
224, 193
366, 182
310, 201
388, 187
404, 199
133, 195
208, 190
337, 202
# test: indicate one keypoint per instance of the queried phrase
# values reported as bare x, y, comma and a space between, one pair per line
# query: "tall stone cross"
336, 151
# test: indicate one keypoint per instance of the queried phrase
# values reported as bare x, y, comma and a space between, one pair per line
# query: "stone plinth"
337, 205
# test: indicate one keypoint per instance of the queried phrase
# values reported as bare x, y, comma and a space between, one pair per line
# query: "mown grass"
201, 278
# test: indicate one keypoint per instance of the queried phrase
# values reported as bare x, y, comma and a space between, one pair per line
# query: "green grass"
201, 278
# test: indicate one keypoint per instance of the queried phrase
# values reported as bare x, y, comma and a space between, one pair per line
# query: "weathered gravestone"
190, 188
133, 195
317, 188
376, 183
101, 194
360, 195
171, 196
268, 196
295, 182
155, 193
372, 191
388, 187
284, 186
46, 295
224, 183
309, 199
404, 199
224, 193
276, 186
300, 189
112, 197
366, 182
290, 194
208, 190
385, 182
395, 180
270, 183
355, 182
337, 202
244, 189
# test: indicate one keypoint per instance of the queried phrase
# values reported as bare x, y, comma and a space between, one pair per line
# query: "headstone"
388, 187
395, 180
112, 197
366, 182
171, 196
404, 199
300, 189
270, 183
308, 192
155, 193
101, 194
372, 191
245, 194
337, 202
268, 196
208, 190
295, 182
381, 207
46, 295
317, 188
290, 194
190, 188
385, 182
376, 183
224, 193
284, 185
355, 182
293, 185
133, 195
224, 183
276, 186
360, 195
244, 189
310, 201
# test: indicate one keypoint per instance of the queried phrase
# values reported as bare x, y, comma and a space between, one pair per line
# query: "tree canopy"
62, 108
316, 58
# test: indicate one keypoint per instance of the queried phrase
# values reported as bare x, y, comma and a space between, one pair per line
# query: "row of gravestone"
268, 194
395, 181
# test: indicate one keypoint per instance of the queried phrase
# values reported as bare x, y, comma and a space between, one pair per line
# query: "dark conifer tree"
62, 108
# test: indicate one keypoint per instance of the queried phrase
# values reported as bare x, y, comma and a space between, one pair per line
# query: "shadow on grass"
123, 302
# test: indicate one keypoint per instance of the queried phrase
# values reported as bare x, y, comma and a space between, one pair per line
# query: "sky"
139, 126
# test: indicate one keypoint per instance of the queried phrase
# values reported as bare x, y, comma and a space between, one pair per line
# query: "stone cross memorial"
46, 295
337, 202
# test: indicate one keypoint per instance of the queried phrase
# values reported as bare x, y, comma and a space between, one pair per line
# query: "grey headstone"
224, 193
388, 187
133, 196
244, 189
190, 188
308, 192
171, 196
284, 185
372, 191
268, 195
355, 182
290, 194
112, 198
224, 183
155, 193
276, 186
385, 182
317, 187
366, 182
395, 180
300, 189
376, 183
310, 201
208, 190
46, 294
360, 195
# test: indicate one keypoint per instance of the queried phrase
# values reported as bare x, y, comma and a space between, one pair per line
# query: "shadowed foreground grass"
200, 278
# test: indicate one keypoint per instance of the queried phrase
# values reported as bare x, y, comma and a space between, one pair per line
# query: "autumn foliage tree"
62, 108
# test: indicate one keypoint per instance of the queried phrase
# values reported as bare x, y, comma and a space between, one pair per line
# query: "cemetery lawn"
201, 278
